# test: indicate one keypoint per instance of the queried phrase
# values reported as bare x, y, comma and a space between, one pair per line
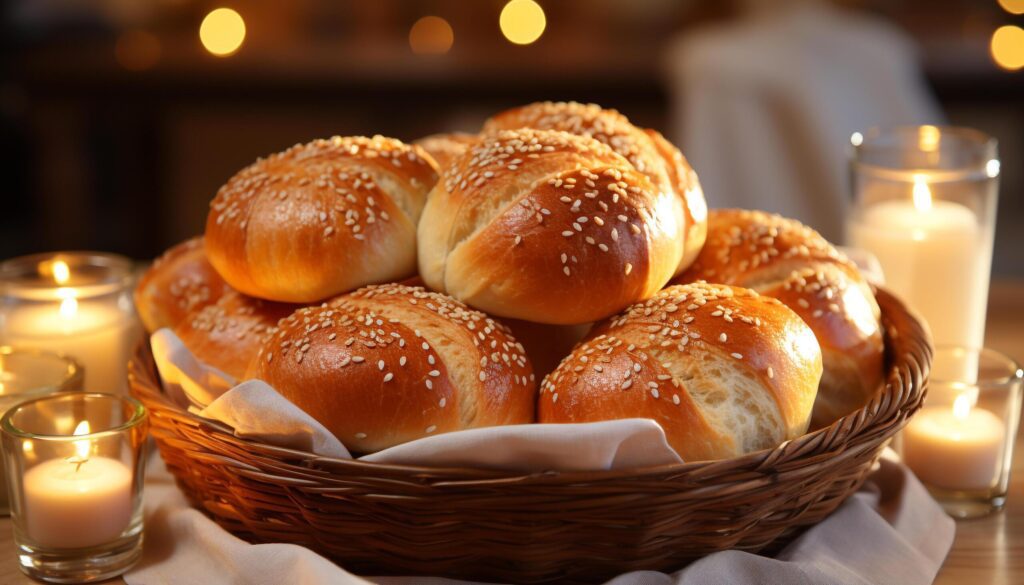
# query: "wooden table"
987, 551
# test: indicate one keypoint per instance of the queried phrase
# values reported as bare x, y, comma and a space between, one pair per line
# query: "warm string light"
522, 21
222, 32
1012, 6
1007, 47
431, 35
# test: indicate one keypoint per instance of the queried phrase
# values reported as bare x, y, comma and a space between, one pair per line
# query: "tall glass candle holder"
75, 466
27, 374
961, 444
75, 303
925, 205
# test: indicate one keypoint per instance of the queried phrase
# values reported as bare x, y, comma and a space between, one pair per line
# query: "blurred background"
119, 119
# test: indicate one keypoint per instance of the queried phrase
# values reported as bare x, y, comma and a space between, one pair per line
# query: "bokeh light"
222, 32
1012, 6
1008, 47
137, 50
431, 35
522, 21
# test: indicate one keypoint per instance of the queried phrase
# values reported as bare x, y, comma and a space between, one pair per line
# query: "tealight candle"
960, 445
958, 448
75, 466
77, 304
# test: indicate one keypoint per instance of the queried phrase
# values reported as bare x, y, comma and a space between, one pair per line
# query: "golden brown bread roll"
446, 147
548, 227
180, 281
723, 370
320, 218
785, 259
228, 334
647, 150
389, 364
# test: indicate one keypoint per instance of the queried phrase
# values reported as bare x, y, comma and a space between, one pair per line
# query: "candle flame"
928, 138
61, 272
69, 304
962, 407
82, 448
922, 194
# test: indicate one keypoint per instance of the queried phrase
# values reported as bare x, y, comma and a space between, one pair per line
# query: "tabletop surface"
987, 551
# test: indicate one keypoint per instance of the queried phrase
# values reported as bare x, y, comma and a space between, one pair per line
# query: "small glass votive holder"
75, 466
960, 445
31, 373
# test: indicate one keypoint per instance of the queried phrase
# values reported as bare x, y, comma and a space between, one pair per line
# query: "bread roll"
785, 259
389, 364
446, 147
647, 150
320, 218
178, 282
228, 334
723, 370
548, 227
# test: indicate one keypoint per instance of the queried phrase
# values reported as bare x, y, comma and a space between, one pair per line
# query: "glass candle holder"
75, 303
75, 469
960, 445
925, 205
30, 373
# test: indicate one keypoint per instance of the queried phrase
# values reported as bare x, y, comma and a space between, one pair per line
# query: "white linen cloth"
764, 107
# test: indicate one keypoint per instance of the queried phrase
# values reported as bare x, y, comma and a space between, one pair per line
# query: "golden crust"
548, 227
389, 364
681, 355
647, 150
787, 260
179, 282
320, 218
228, 334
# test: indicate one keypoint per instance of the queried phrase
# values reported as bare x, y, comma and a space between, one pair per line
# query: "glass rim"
870, 140
138, 415
73, 370
121, 274
1016, 373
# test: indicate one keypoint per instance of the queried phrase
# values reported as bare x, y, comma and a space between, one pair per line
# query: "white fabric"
764, 108
889, 532
256, 411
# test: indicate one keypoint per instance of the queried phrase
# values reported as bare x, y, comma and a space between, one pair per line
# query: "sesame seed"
431, 429
738, 356
627, 384
388, 377
434, 373
567, 233
358, 359
430, 385
380, 365
629, 268
723, 338
566, 270
360, 435
482, 376
442, 402
654, 393
771, 372
675, 399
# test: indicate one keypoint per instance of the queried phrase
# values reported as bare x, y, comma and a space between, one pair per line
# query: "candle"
958, 448
79, 501
92, 322
936, 255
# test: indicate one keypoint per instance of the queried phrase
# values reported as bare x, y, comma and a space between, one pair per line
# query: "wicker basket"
499, 526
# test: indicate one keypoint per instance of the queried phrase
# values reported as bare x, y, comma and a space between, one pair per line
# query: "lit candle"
97, 329
934, 255
958, 448
79, 501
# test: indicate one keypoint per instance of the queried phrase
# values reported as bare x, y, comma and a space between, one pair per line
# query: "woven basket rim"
142, 366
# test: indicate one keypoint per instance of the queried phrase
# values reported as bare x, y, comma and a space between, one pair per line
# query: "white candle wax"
957, 448
72, 506
937, 258
96, 333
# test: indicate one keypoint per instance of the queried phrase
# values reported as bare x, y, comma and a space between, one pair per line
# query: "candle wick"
77, 461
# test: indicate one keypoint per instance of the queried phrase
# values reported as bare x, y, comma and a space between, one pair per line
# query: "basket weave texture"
487, 525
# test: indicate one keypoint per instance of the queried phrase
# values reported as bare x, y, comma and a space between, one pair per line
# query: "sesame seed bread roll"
787, 260
446, 147
549, 227
179, 282
320, 218
388, 364
647, 150
228, 334
723, 370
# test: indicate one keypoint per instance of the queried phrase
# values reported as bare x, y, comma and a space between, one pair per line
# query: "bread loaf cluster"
559, 223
